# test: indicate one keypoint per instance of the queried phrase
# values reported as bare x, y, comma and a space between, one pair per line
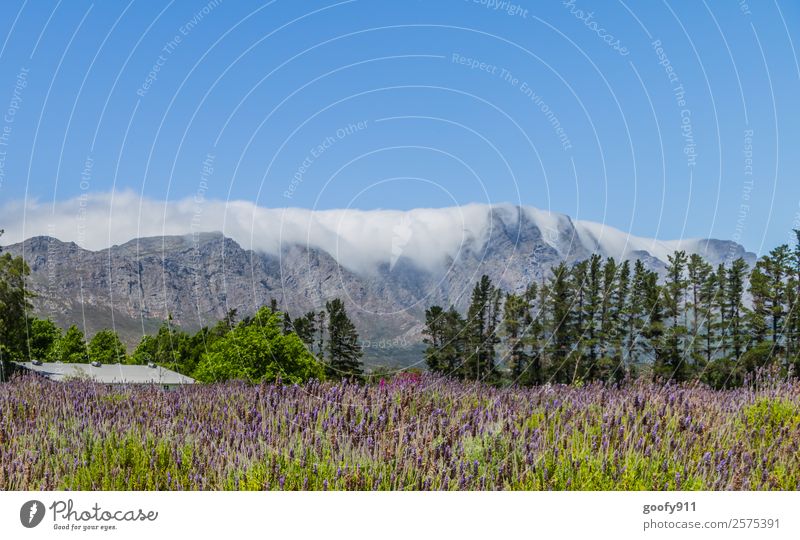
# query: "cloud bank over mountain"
357, 239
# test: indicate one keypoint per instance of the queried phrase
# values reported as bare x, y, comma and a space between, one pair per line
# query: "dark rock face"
197, 278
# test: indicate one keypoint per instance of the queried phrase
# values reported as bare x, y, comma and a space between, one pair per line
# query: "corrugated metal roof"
107, 373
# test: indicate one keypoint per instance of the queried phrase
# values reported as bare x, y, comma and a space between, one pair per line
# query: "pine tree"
793, 316
542, 338
674, 302
759, 314
707, 319
306, 329
481, 331
777, 264
533, 338
344, 350
592, 307
698, 271
607, 363
288, 327
321, 314
737, 313
444, 334
516, 309
563, 335
434, 333
653, 331
454, 341
635, 317
770, 293
618, 317
721, 305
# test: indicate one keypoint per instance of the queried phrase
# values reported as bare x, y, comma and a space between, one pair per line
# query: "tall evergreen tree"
618, 325
675, 365
561, 319
593, 304
721, 305
636, 317
305, 327
344, 350
793, 316
698, 271
533, 337
481, 330
434, 332
776, 266
653, 332
321, 314
760, 313
516, 310
706, 304
454, 338
737, 311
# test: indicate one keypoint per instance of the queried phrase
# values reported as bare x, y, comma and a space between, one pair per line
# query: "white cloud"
357, 239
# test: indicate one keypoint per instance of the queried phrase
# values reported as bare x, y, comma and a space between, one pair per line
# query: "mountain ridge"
197, 278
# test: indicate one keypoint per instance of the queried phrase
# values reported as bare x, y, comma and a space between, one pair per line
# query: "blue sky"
368, 104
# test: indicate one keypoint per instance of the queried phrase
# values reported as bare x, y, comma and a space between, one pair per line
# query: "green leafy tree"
43, 335
14, 305
173, 348
759, 356
106, 347
71, 347
258, 350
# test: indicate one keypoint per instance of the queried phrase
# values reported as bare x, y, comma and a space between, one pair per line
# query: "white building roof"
107, 373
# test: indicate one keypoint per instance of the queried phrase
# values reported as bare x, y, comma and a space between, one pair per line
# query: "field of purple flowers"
410, 433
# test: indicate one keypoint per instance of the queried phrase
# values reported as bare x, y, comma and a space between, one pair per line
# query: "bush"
258, 350
107, 348
71, 347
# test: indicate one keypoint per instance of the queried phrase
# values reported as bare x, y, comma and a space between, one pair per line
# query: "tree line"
601, 319
268, 345
598, 319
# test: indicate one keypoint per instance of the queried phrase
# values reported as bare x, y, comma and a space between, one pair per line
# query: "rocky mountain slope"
198, 278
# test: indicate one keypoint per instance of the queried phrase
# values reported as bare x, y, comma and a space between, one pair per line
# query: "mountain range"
197, 278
